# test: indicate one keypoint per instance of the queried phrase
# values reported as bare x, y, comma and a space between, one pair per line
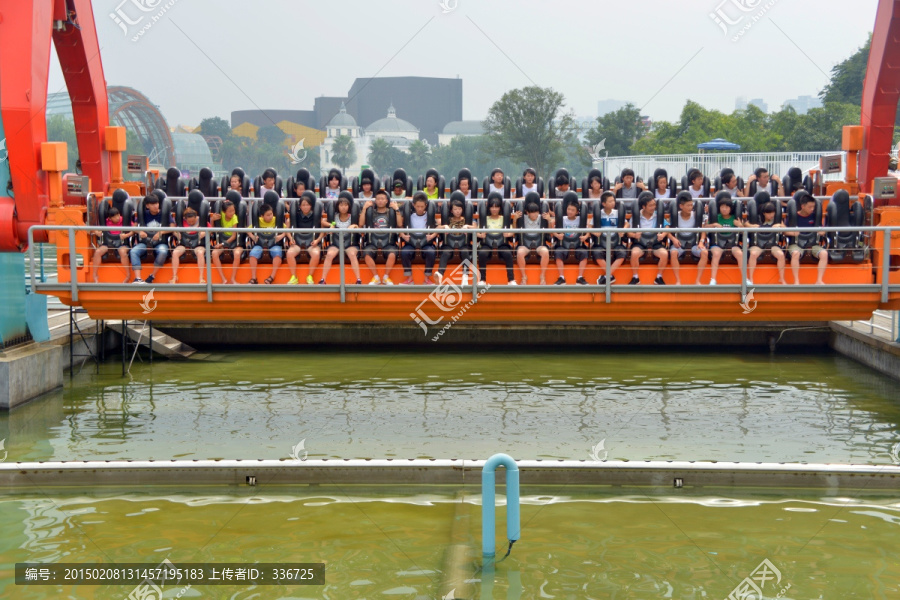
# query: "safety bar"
745, 232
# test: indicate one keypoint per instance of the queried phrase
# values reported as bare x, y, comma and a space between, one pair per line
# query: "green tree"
470, 152
216, 126
419, 157
847, 78
385, 158
528, 125
343, 151
271, 134
621, 129
822, 128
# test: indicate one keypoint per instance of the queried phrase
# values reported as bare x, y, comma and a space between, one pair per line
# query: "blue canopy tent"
718, 144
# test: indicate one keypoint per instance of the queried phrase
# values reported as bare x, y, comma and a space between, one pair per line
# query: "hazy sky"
209, 57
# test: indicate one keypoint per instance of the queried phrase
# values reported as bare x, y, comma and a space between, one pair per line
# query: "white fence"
743, 163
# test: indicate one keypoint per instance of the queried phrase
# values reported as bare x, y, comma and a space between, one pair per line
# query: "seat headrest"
458, 196
239, 172
570, 197
800, 195
119, 196
233, 196
762, 197
173, 173
841, 197
683, 195
308, 194
722, 196
195, 197
159, 194
495, 196
345, 195
271, 198
205, 174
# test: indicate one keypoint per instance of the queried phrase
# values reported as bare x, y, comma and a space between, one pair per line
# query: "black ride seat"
845, 246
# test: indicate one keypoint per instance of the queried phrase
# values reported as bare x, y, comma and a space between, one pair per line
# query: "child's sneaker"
309, 280
635, 280
408, 281
138, 280
560, 281
375, 280
293, 280
150, 279
387, 281
359, 282
465, 280
581, 281
659, 280
601, 280
712, 282
322, 281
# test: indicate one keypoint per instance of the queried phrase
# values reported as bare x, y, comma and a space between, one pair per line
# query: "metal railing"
743, 163
892, 317
342, 234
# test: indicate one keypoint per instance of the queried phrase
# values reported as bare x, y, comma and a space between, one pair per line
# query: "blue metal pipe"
488, 500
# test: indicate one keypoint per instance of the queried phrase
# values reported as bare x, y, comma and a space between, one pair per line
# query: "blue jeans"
161, 250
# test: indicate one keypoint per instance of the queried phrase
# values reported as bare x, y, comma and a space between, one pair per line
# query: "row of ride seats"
173, 184
843, 246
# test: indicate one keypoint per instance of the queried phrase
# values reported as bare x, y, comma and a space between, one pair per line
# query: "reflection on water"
380, 543
555, 405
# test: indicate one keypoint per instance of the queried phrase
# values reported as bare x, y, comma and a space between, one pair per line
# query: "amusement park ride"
38, 203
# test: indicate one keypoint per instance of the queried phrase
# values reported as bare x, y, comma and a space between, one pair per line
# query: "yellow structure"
294, 131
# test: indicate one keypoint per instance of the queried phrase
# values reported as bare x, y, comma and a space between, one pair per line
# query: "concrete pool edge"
666, 474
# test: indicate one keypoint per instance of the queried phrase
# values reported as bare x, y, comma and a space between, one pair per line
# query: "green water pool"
552, 405
396, 543
417, 543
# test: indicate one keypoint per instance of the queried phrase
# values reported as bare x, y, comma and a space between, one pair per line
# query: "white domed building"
342, 123
392, 129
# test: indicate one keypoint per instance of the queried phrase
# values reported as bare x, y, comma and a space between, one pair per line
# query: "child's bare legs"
329, 257
200, 253
275, 252
704, 257
292, 254
237, 262
778, 253
676, 266
99, 253
522, 252
795, 264
823, 262
663, 255
755, 251
353, 255
636, 253
315, 253
217, 262
714, 266
176, 259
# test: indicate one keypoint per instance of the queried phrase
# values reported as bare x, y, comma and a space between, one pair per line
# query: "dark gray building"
429, 103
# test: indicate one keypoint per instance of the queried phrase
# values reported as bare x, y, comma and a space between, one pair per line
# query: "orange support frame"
26, 28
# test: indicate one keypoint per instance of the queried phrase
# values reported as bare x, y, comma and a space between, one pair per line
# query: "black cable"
508, 550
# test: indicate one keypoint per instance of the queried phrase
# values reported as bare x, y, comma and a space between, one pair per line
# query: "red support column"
881, 94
